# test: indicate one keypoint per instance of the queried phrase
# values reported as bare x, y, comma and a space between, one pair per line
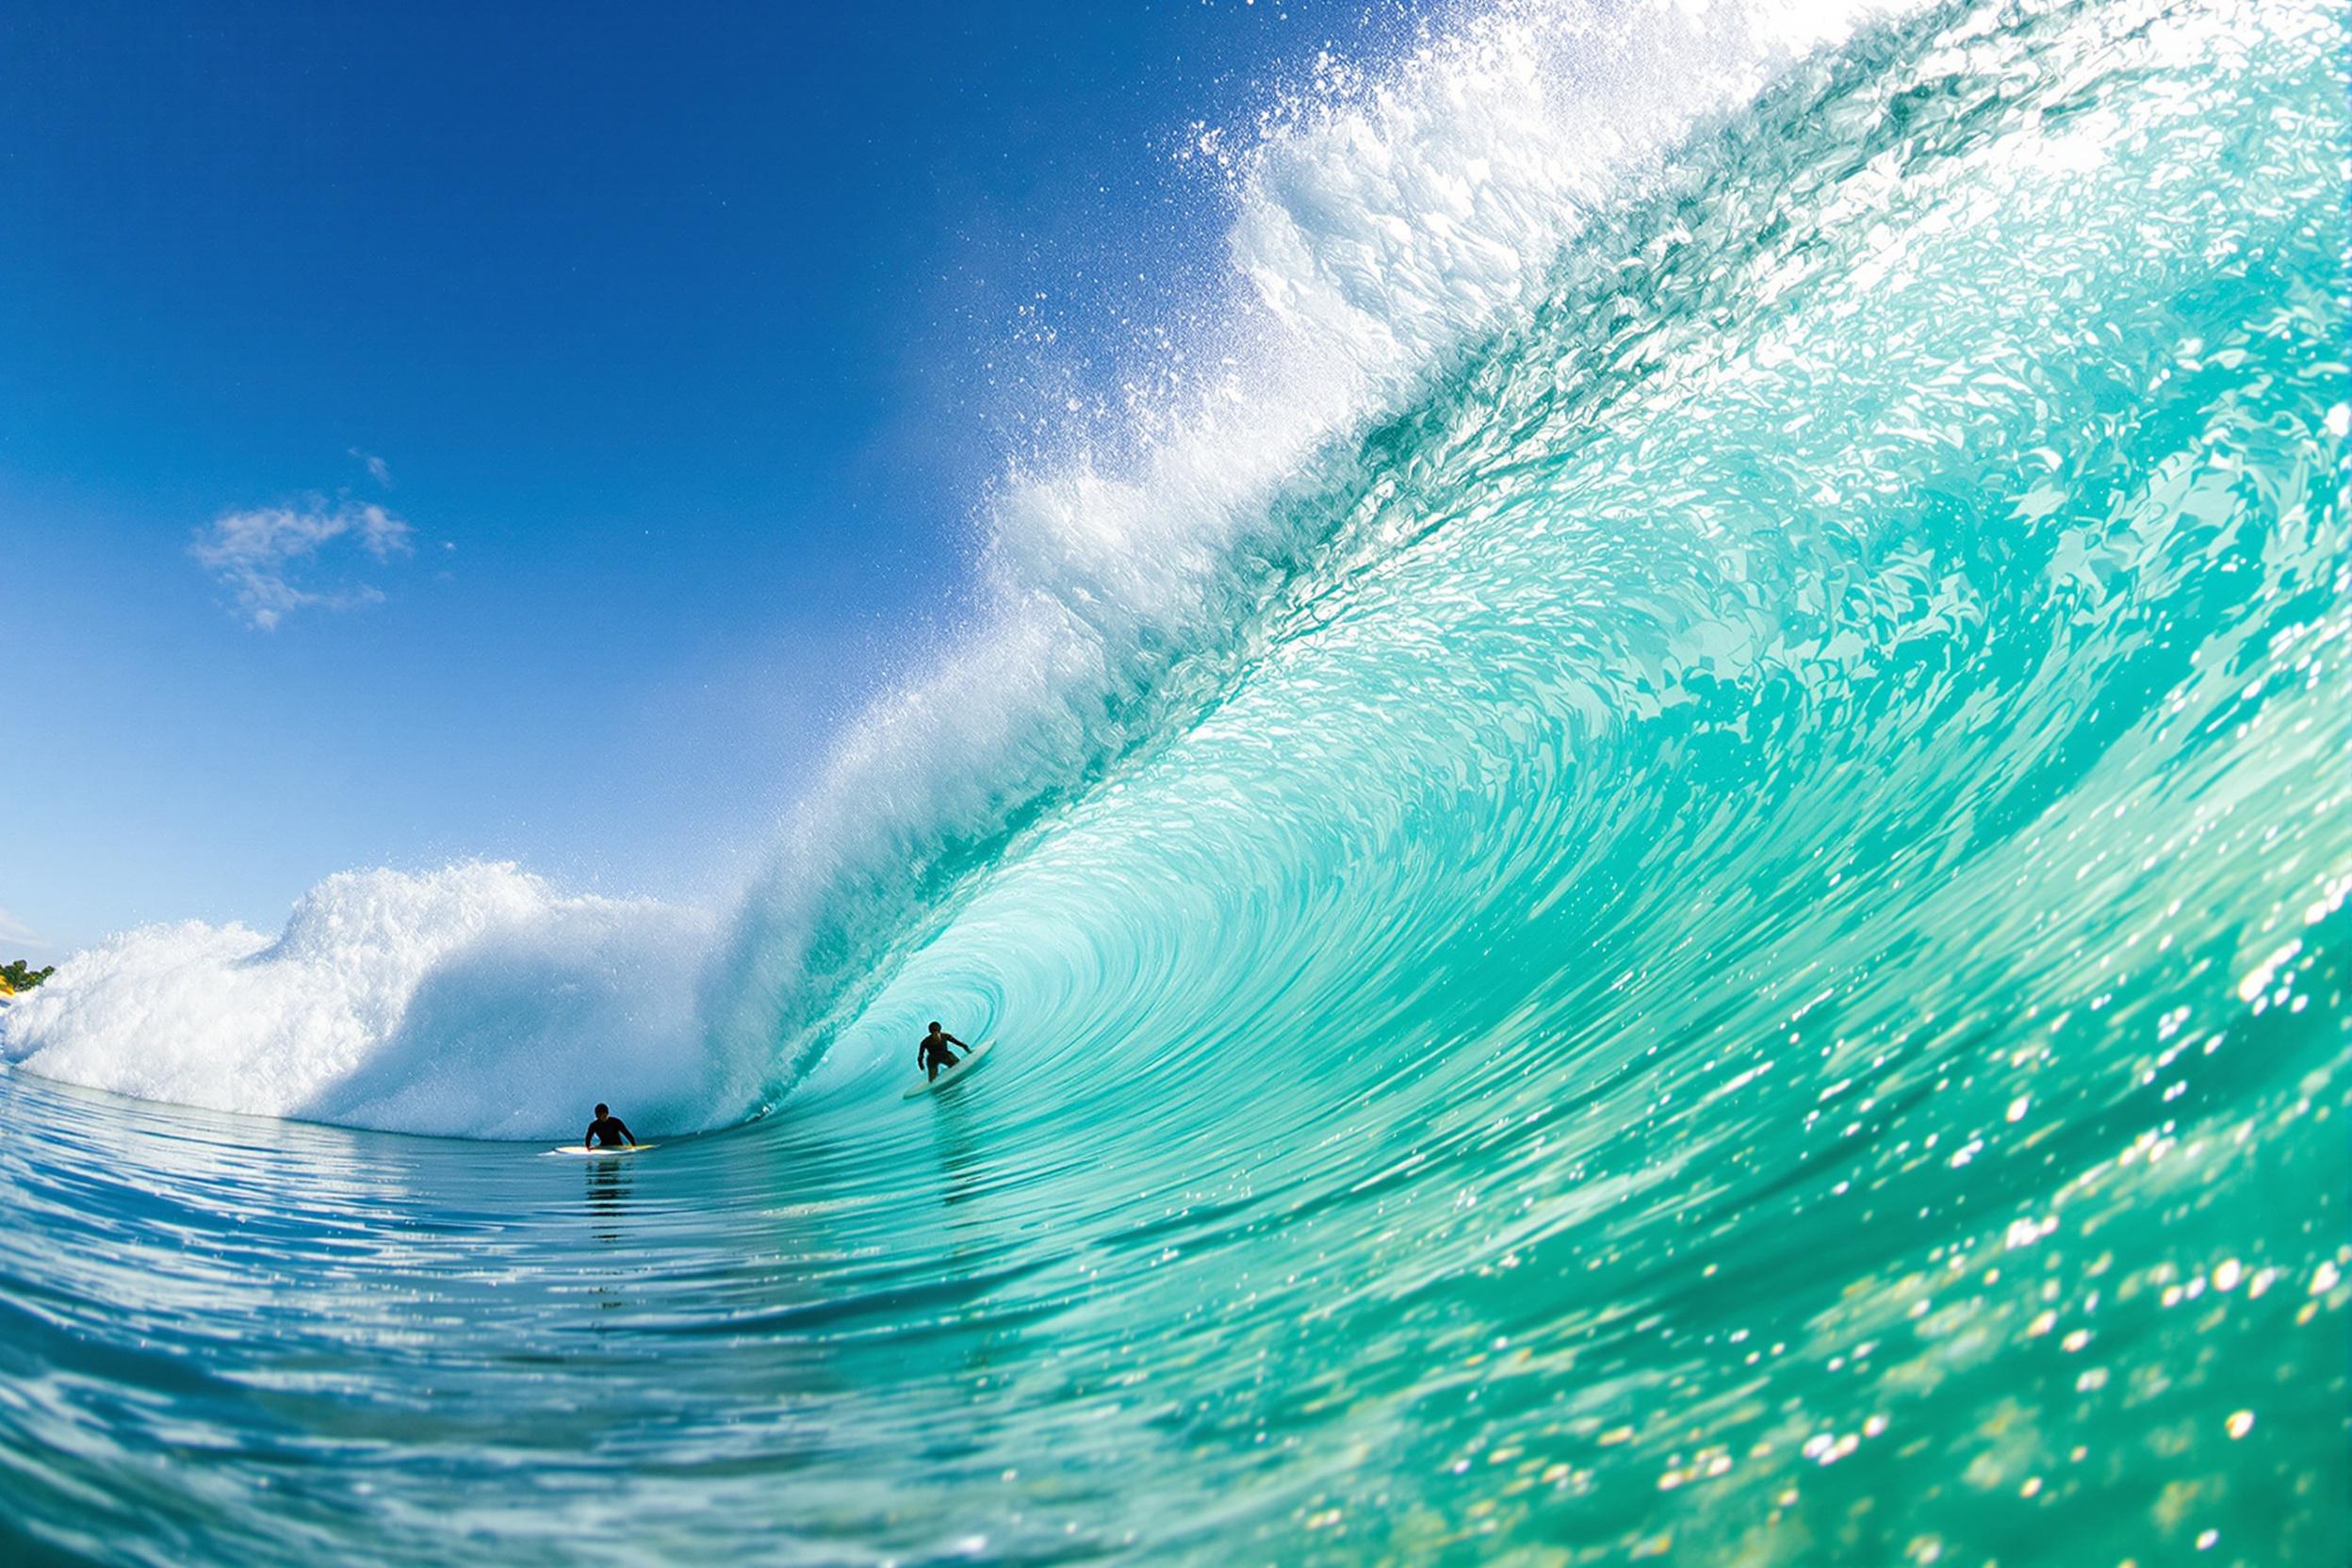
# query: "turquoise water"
1718, 936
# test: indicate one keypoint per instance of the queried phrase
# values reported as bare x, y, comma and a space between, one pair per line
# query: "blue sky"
450, 430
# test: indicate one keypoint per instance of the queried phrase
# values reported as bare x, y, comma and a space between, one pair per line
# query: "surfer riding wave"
932, 1053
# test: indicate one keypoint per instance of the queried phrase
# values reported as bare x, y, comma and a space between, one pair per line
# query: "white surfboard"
949, 1076
579, 1153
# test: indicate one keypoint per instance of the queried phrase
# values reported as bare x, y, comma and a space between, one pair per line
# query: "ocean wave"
1386, 223
1723, 935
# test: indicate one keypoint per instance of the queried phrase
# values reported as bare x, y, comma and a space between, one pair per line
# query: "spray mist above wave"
1384, 221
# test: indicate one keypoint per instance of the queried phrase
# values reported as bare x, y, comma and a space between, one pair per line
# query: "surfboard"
578, 1154
952, 1074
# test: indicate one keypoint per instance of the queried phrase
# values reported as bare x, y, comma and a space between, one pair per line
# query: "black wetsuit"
932, 1053
608, 1133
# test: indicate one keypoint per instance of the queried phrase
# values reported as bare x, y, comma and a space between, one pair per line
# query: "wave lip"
471, 1001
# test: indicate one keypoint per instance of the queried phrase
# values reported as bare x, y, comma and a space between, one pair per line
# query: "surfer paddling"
932, 1053
607, 1132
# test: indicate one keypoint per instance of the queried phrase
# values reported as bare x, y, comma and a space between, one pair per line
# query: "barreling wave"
1386, 221
1669, 883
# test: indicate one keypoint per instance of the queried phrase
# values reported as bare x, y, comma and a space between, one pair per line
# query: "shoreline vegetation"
20, 976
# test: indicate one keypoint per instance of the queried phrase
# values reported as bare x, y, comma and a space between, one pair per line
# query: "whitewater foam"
472, 1000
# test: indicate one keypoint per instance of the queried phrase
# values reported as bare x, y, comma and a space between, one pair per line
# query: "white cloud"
265, 555
378, 469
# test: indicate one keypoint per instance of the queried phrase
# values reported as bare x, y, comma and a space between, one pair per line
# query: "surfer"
932, 1053
607, 1131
